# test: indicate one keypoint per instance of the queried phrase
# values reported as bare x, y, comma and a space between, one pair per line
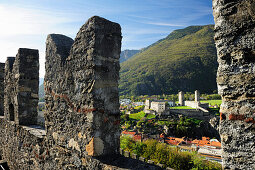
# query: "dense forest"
185, 60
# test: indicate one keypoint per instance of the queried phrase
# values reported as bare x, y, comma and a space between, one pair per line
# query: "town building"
157, 106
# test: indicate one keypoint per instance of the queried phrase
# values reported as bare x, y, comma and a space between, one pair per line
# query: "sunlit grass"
212, 102
181, 107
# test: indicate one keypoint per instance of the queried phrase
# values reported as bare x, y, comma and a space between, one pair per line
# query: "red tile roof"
137, 137
128, 133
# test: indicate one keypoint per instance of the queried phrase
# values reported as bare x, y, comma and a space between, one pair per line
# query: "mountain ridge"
172, 64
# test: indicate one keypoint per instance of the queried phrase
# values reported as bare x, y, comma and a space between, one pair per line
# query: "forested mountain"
185, 60
126, 54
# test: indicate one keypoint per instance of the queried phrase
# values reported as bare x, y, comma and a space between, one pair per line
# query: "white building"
158, 106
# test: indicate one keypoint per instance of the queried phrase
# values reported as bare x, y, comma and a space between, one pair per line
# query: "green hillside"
184, 60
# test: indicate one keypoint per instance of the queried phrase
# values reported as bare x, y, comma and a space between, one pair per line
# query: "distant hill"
185, 60
126, 54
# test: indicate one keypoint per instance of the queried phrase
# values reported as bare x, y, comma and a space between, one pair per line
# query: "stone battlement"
21, 84
82, 103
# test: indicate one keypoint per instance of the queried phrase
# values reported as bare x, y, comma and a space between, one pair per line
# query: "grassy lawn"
150, 116
140, 115
137, 116
181, 107
212, 102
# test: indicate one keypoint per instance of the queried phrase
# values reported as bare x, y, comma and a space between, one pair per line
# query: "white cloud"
142, 31
28, 28
164, 24
15, 20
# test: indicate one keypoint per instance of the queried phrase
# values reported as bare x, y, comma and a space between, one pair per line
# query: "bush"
165, 154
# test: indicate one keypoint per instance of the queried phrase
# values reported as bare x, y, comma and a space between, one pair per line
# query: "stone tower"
234, 38
181, 98
147, 104
21, 87
2, 89
197, 96
81, 85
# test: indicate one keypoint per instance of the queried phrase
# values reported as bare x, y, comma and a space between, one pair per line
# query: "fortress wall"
234, 38
81, 88
21, 86
2, 65
82, 104
193, 113
21, 147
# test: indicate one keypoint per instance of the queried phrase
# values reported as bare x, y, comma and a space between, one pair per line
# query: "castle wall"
193, 113
2, 89
82, 99
21, 87
234, 38
82, 106
22, 147
192, 104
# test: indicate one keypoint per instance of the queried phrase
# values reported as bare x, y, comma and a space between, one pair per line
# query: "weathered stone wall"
82, 106
26, 147
2, 89
82, 102
235, 37
193, 113
21, 146
21, 87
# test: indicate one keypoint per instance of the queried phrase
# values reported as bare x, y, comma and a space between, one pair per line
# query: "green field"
212, 102
150, 116
137, 116
140, 115
181, 107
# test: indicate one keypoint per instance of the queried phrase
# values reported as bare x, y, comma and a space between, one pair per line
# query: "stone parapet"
81, 88
2, 65
21, 84
234, 38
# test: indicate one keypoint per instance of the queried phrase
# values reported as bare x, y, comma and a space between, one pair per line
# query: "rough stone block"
234, 38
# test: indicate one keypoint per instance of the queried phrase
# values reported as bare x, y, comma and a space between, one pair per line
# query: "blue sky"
27, 23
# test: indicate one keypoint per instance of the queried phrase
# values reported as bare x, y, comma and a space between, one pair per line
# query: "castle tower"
21, 85
147, 104
197, 96
181, 98
2, 65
